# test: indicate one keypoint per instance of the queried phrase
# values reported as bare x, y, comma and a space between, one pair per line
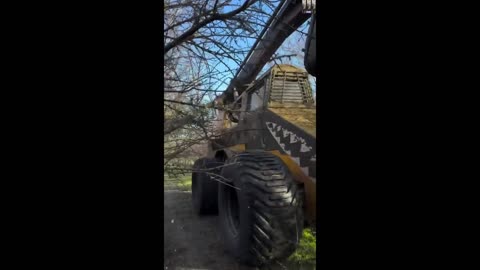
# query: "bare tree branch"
214, 17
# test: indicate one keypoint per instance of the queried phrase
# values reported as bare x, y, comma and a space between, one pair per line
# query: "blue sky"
296, 38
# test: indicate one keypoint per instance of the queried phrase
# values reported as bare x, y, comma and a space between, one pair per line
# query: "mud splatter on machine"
260, 173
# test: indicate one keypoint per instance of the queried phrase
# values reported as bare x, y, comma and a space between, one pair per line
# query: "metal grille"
290, 87
308, 5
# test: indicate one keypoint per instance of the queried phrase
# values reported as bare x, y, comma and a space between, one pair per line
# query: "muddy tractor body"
277, 114
260, 171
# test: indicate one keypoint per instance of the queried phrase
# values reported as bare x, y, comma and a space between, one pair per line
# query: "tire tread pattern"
276, 201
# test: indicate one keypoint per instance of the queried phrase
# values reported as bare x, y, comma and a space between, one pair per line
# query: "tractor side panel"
290, 140
297, 149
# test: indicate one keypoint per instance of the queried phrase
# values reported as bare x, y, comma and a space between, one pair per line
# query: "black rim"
233, 211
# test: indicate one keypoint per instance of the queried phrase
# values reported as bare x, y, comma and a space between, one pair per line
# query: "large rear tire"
262, 217
204, 189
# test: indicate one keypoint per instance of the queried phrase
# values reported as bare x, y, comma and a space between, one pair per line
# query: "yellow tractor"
260, 171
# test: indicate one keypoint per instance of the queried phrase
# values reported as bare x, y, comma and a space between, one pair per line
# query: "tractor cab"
281, 87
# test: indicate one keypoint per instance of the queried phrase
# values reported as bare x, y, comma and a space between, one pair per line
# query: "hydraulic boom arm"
286, 18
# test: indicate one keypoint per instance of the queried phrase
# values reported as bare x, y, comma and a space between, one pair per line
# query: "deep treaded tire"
204, 190
262, 221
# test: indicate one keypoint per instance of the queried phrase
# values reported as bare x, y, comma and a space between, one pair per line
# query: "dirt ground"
193, 242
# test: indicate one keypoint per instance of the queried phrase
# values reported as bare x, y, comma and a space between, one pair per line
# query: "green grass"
307, 249
183, 183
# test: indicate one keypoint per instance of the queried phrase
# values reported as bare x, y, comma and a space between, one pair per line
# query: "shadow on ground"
193, 242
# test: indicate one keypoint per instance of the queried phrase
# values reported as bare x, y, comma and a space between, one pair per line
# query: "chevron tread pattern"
276, 202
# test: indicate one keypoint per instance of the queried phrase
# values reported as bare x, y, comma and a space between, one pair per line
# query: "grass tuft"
307, 249
183, 183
